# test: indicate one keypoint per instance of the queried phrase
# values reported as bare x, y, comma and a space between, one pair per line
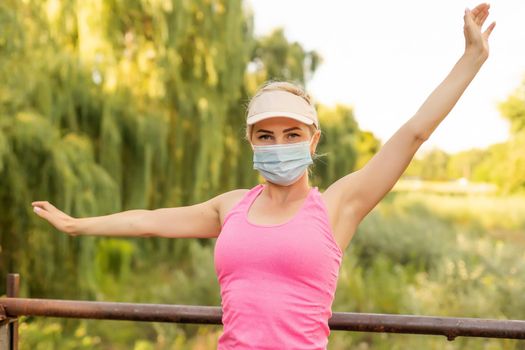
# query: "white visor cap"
272, 104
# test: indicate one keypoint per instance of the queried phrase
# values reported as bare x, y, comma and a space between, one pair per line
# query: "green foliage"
513, 109
396, 242
280, 60
151, 279
434, 165
343, 147
502, 164
463, 164
48, 335
435, 255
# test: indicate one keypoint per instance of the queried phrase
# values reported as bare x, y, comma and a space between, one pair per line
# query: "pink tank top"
277, 281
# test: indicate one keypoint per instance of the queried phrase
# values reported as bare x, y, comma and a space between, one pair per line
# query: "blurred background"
113, 105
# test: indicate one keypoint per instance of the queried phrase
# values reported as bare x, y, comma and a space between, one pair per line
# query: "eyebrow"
284, 131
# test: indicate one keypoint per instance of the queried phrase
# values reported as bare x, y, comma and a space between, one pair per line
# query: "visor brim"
266, 115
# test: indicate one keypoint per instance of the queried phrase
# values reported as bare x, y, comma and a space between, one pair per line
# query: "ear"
248, 134
315, 141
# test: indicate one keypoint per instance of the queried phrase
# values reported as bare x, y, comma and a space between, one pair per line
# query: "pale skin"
348, 200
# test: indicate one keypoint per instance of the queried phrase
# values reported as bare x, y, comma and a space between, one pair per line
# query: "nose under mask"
282, 164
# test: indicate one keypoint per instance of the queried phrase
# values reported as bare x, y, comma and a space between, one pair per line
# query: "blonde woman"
280, 244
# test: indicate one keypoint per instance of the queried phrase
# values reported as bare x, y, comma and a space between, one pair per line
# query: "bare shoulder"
226, 201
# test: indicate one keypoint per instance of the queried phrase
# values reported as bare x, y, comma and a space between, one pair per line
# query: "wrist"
476, 55
72, 227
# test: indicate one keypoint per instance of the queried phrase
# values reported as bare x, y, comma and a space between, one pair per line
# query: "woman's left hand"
475, 40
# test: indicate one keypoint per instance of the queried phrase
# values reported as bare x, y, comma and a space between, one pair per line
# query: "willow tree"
110, 105
46, 150
275, 58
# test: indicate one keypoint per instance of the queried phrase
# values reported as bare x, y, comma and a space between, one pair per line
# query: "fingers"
468, 18
45, 210
479, 13
44, 205
481, 17
41, 212
475, 11
489, 30
477, 16
480, 8
60, 220
39, 203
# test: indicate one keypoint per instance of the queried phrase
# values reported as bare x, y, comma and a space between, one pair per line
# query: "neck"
296, 191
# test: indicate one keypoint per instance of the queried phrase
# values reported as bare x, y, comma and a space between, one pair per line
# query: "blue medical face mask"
282, 164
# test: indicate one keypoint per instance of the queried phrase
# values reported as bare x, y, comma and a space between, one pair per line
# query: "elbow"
421, 137
146, 234
416, 133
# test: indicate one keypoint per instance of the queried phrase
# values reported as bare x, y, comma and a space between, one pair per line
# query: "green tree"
513, 109
275, 58
343, 147
107, 106
435, 165
462, 164
103, 108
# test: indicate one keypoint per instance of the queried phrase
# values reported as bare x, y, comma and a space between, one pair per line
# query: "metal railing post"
13, 289
5, 337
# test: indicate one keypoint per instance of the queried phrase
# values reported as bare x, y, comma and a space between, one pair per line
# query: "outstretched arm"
195, 221
359, 192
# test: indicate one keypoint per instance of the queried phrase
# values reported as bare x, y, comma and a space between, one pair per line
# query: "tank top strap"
249, 197
317, 200
245, 202
322, 209
314, 204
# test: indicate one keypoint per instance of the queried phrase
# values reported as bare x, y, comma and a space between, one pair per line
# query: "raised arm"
359, 192
196, 221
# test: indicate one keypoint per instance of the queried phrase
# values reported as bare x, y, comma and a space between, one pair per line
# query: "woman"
279, 245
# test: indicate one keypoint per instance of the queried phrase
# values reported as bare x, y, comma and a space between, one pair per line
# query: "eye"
265, 137
293, 135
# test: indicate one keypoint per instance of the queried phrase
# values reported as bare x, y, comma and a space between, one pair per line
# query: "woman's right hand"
54, 216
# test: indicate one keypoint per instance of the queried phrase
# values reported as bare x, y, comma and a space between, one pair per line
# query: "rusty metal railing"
9, 324
12, 307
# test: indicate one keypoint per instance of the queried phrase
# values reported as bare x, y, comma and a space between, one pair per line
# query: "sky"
383, 58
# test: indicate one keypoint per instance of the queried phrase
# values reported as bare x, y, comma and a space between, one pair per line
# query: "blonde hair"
279, 86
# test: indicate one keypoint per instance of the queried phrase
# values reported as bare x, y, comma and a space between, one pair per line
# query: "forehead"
277, 123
